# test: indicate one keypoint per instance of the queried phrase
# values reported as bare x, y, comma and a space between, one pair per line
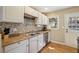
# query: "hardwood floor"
58, 48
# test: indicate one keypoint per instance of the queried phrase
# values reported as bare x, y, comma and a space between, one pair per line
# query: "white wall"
59, 35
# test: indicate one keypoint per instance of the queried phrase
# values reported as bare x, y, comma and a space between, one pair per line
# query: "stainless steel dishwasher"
46, 37
78, 44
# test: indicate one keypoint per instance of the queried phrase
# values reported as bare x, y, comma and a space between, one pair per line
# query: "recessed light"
46, 8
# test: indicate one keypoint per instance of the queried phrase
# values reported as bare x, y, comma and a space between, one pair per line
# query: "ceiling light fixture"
46, 8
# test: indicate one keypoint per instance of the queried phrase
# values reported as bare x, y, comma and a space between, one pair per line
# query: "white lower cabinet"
41, 42
0, 44
33, 45
36, 43
20, 47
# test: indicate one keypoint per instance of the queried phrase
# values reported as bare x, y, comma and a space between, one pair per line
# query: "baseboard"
63, 43
43, 47
58, 42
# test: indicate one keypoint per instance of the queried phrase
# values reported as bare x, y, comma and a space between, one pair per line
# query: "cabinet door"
45, 20
17, 47
30, 11
0, 44
33, 45
20, 49
14, 13
40, 19
34, 13
41, 42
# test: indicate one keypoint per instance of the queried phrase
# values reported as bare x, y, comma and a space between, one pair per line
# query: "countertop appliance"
45, 34
6, 31
46, 37
44, 28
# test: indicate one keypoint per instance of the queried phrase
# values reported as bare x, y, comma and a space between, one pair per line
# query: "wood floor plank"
58, 48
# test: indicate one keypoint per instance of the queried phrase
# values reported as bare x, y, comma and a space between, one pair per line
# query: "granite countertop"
22, 36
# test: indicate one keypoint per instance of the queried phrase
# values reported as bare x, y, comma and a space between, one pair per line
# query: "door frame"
69, 30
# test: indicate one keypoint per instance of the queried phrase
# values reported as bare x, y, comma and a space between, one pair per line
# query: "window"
54, 22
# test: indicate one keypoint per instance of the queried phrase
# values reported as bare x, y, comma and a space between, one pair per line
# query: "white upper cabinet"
30, 11
45, 20
42, 20
39, 20
12, 14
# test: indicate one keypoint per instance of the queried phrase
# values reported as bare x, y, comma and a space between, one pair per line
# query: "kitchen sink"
34, 33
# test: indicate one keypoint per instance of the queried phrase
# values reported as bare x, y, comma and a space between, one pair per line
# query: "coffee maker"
44, 28
6, 31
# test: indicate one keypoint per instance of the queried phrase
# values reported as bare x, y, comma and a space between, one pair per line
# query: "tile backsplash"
21, 28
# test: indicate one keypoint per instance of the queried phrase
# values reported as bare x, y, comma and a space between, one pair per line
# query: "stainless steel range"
46, 37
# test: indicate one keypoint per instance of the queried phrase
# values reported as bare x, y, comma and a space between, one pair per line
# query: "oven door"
46, 37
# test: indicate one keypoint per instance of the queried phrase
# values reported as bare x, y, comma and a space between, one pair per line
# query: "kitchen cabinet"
36, 43
13, 14
19, 47
42, 20
0, 44
33, 45
41, 42
39, 20
30, 11
45, 20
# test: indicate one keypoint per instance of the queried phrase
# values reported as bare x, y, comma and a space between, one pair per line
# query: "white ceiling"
46, 9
